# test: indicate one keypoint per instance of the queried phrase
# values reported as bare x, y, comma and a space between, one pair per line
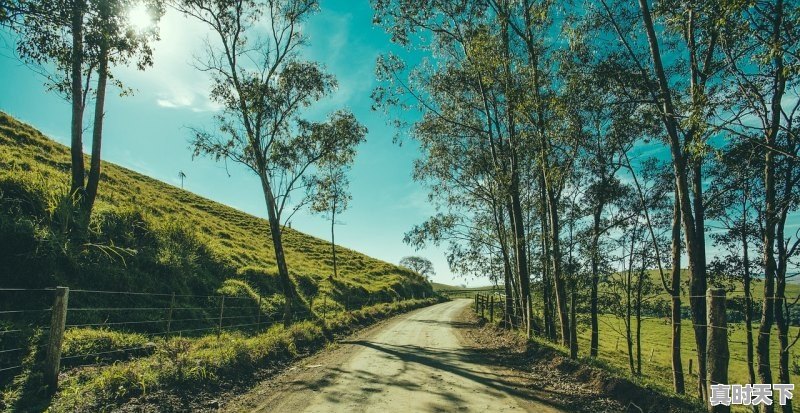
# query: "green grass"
657, 339
183, 364
151, 237
168, 239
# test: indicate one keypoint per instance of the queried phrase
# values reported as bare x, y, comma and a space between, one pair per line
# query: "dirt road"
412, 363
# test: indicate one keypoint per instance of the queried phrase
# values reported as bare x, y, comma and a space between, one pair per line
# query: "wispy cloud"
173, 82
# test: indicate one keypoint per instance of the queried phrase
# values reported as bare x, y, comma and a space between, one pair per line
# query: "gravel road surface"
411, 363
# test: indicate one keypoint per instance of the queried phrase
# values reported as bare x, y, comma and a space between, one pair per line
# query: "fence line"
154, 321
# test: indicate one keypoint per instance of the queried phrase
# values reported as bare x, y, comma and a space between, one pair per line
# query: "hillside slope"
150, 236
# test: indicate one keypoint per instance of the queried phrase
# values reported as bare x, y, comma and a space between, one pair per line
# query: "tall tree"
331, 196
683, 89
263, 85
79, 40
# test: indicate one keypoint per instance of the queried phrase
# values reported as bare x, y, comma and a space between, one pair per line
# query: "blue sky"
148, 132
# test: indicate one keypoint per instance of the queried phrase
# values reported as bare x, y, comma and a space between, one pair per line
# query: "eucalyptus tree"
465, 100
331, 197
679, 64
72, 42
608, 123
263, 85
761, 51
735, 204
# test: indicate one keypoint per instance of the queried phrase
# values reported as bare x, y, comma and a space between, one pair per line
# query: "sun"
139, 17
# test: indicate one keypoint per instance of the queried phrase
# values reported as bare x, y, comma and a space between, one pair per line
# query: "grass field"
153, 239
172, 225
657, 340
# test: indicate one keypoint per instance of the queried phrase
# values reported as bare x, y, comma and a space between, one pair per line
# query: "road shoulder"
567, 384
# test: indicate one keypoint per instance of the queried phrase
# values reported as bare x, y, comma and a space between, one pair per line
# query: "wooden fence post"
221, 311
58, 320
717, 352
483, 306
169, 315
491, 308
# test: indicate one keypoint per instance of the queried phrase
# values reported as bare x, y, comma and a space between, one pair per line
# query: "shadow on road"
458, 362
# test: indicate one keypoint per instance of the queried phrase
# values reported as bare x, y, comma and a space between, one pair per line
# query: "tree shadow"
355, 387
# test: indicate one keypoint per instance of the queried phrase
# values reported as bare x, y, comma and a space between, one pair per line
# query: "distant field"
656, 340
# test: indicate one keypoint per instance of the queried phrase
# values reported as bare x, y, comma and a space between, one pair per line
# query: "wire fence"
106, 326
656, 337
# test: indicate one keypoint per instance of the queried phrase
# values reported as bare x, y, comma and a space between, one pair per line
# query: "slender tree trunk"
558, 280
748, 304
76, 77
770, 266
97, 135
333, 238
508, 306
595, 280
521, 253
767, 308
639, 319
628, 288
287, 286
693, 241
573, 329
698, 282
677, 363
781, 309
546, 278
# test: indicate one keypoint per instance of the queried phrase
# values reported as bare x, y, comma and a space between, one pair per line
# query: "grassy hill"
150, 236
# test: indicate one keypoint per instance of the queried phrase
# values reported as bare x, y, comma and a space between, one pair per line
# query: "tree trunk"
783, 333
573, 329
767, 308
595, 281
546, 279
698, 282
748, 304
76, 75
677, 364
333, 239
97, 135
693, 249
287, 286
521, 252
558, 280
639, 319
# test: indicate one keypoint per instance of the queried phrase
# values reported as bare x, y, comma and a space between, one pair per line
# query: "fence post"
221, 310
476, 303
491, 308
169, 315
57, 321
483, 306
717, 352
690, 366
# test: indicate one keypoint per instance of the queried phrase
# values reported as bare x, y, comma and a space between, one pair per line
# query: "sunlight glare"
139, 17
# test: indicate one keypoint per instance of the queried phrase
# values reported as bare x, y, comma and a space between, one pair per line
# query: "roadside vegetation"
149, 237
